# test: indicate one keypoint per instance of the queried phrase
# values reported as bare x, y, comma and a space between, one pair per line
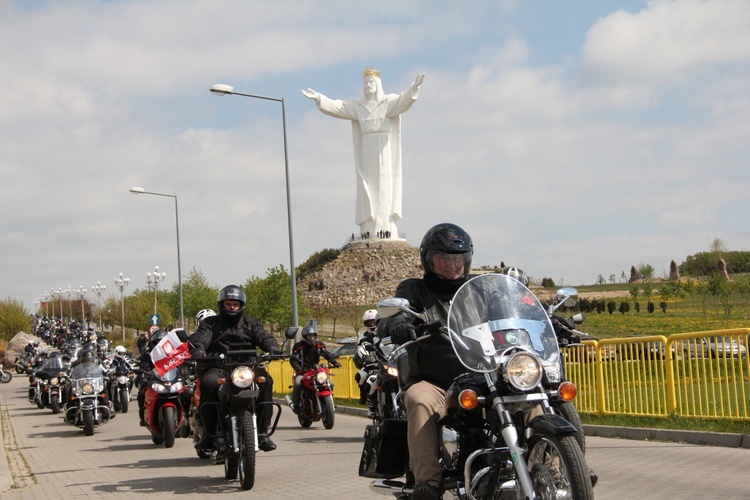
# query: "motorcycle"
119, 386
51, 381
236, 441
5, 375
23, 361
316, 397
501, 438
378, 377
87, 404
162, 408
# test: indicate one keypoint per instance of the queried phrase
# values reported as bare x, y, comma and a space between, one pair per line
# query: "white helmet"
203, 314
120, 352
369, 319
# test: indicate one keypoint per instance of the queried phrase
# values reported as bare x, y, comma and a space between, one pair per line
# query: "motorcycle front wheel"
329, 415
558, 468
168, 420
55, 404
247, 450
124, 400
6, 377
88, 422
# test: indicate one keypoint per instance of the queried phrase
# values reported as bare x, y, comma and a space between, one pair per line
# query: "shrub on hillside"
13, 319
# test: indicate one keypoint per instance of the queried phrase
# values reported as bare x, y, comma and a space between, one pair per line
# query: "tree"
14, 318
197, 294
600, 280
645, 271
270, 299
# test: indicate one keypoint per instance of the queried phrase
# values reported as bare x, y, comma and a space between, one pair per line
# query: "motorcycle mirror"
291, 332
567, 296
578, 318
392, 306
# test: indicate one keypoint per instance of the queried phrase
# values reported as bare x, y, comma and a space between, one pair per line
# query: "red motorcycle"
316, 398
162, 409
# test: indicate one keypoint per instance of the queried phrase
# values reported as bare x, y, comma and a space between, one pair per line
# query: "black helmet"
156, 338
445, 238
310, 334
231, 292
87, 357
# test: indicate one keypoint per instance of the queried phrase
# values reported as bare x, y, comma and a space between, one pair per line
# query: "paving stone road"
49, 459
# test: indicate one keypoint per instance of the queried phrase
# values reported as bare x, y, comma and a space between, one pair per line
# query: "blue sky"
570, 139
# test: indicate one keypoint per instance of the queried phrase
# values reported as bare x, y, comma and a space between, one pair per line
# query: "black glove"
402, 332
336, 364
277, 352
198, 353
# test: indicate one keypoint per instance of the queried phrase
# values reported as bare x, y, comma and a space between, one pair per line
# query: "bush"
548, 283
13, 319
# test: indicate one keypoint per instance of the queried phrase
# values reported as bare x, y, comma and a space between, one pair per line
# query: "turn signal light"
567, 391
468, 399
222, 381
261, 379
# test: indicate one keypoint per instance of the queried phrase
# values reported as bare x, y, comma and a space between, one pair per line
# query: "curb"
726, 440
690, 437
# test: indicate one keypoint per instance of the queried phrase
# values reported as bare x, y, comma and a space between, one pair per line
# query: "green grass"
679, 423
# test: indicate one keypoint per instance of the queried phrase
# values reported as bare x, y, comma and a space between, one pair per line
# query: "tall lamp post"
59, 293
69, 293
221, 90
98, 289
140, 190
154, 279
121, 283
81, 294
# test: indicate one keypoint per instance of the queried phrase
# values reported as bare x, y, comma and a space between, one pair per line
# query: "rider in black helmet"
213, 336
305, 354
445, 251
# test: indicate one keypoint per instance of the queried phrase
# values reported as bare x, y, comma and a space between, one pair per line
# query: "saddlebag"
385, 454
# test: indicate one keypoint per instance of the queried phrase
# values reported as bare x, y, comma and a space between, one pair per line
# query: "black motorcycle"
52, 380
501, 438
236, 440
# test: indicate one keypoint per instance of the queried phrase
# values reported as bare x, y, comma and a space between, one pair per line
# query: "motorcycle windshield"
52, 365
493, 313
86, 370
170, 376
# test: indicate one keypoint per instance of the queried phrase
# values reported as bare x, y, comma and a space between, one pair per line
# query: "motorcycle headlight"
159, 388
242, 377
54, 381
321, 377
391, 370
177, 386
87, 388
523, 371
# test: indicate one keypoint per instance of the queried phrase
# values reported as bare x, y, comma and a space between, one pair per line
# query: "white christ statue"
376, 131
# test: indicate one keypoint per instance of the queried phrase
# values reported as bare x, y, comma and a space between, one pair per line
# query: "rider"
213, 336
203, 314
145, 366
363, 356
445, 251
305, 354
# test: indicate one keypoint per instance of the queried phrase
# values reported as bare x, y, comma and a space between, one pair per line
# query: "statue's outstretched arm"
311, 94
418, 81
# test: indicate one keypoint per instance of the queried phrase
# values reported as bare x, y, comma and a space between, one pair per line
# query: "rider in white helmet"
203, 314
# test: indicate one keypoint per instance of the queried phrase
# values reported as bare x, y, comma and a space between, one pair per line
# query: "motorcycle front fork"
235, 430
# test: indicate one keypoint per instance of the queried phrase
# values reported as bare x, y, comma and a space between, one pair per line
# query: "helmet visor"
448, 265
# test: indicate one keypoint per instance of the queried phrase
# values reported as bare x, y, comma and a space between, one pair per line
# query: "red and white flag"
169, 353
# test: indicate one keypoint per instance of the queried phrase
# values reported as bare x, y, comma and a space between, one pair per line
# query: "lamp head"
222, 89
137, 190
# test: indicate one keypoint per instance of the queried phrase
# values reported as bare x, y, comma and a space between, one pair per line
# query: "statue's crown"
371, 72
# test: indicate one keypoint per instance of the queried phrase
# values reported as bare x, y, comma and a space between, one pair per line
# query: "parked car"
714, 347
346, 347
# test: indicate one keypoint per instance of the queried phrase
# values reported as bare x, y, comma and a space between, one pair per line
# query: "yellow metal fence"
699, 374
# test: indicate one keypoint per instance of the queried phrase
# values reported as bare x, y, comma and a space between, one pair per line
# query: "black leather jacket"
432, 359
215, 334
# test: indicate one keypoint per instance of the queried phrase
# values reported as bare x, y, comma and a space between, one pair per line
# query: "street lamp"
59, 293
69, 293
155, 279
140, 190
98, 289
81, 293
121, 283
221, 90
